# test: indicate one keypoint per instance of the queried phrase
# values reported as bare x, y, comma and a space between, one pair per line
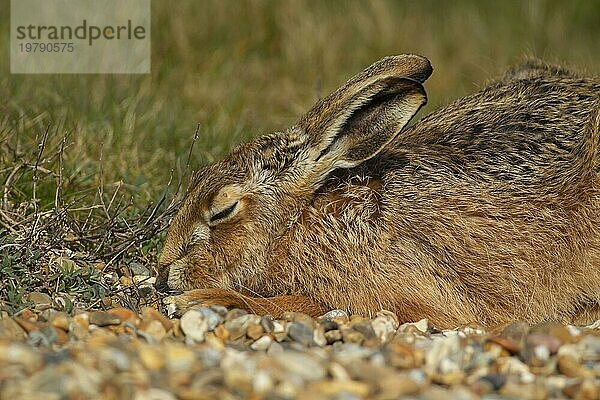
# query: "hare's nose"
161, 284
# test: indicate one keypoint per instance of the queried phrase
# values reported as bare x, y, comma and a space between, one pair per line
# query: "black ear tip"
423, 69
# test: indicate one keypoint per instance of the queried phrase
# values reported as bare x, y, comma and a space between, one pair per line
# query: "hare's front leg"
276, 306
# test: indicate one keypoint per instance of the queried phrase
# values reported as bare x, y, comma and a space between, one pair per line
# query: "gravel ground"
215, 353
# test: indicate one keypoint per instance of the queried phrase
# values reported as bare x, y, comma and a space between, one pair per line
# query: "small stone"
551, 343
267, 323
27, 314
194, 325
126, 281
235, 313
149, 314
555, 329
436, 393
481, 387
341, 389
319, 337
332, 315
237, 327
21, 354
79, 326
10, 329
281, 337
421, 326
146, 290
43, 337
154, 394
213, 318
449, 378
222, 333
278, 327
584, 390
220, 310
524, 390
28, 325
262, 343
255, 331
102, 318
384, 325
179, 358
329, 325
365, 328
352, 336
262, 383
570, 367
395, 386
590, 348
60, 320
513, 366
301, 364
213, 341
516, 333
301, 333
82, 319
495, 380
274, 348
152, 358
137, 268
125, 315
155, 329
333, 336
42, 301
507, 344
404, 356
337, 371
64, 303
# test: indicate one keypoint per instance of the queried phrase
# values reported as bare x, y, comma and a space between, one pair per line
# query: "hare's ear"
357, 120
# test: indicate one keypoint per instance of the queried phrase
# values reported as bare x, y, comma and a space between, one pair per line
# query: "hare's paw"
179, 304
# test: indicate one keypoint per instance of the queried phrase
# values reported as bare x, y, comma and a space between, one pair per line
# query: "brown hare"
487, 210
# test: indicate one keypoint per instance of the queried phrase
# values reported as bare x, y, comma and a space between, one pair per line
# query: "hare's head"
236, 209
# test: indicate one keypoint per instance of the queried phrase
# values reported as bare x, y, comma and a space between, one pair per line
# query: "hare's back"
534, 135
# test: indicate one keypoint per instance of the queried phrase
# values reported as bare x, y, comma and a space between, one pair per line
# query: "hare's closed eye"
225, 205
220, 216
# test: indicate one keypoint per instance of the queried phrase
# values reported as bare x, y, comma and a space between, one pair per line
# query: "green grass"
236, 70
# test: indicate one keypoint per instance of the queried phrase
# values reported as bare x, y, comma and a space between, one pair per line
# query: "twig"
41, 148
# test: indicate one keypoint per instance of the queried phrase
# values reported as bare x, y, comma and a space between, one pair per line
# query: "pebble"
333, 315
301, 333
194, 325
384, 326
213, 318
333, 336
139, 269
42, 301
11, 329
301, 365
212, 352
262, 343
267, 323
420, 326
102, 318
255, 331
155, 330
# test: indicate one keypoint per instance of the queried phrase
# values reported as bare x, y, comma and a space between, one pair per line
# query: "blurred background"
241, 68
235, 69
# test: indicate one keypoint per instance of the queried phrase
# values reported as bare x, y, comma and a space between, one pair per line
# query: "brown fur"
487, 210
